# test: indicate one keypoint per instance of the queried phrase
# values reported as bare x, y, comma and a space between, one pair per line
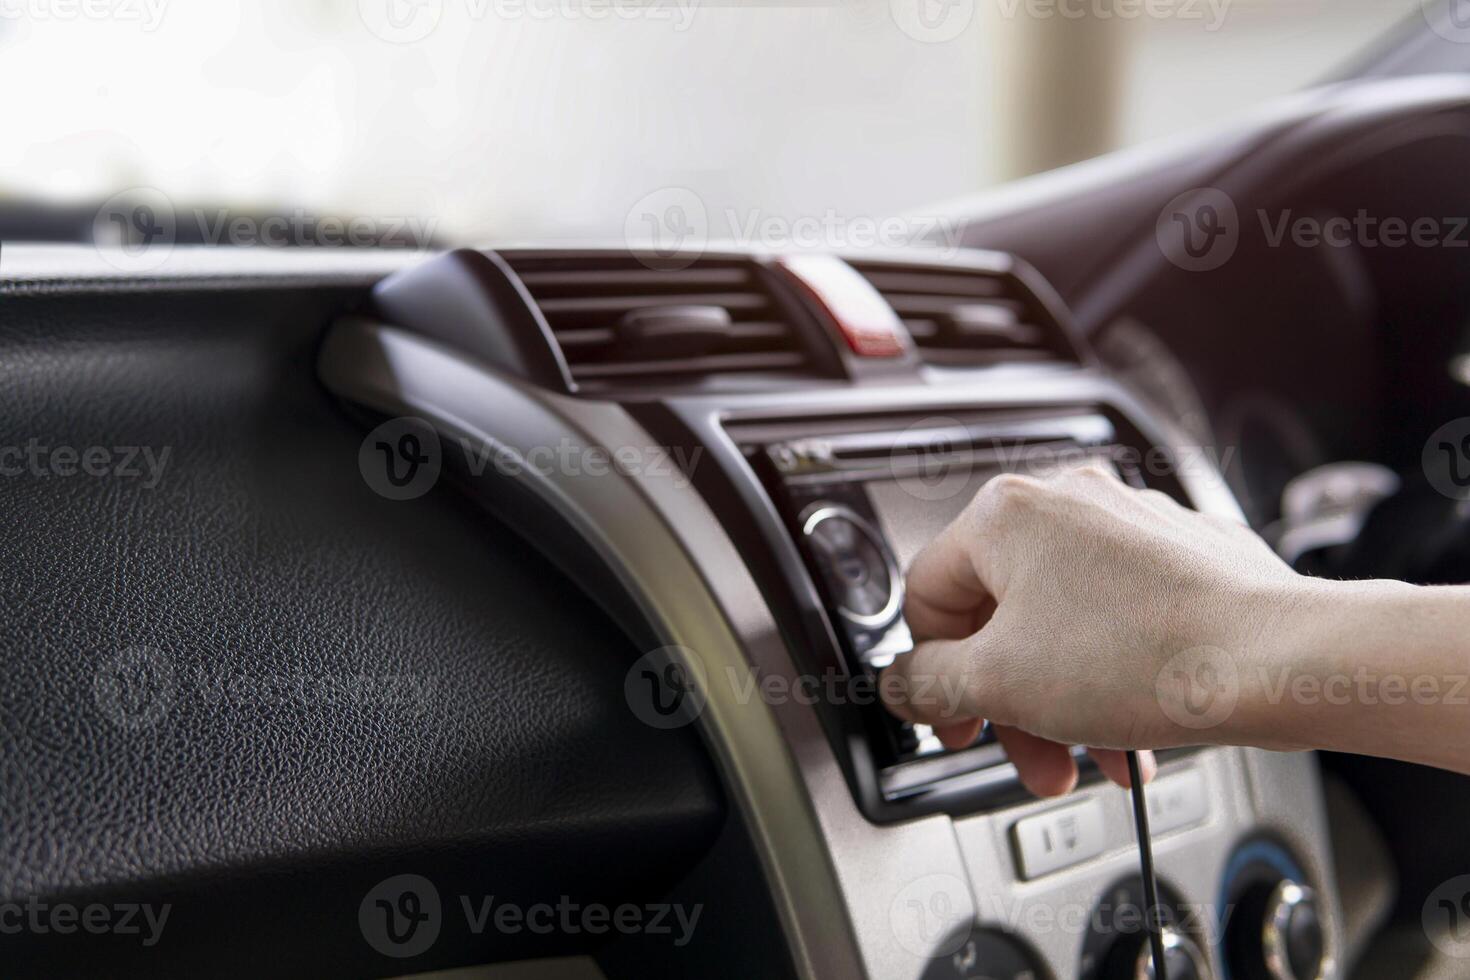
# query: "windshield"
462, 121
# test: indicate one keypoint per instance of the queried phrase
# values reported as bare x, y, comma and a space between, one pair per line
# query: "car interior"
514, 605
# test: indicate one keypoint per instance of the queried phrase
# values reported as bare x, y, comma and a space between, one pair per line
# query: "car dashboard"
779, 435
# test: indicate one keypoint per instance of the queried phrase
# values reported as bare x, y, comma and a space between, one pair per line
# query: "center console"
787, 433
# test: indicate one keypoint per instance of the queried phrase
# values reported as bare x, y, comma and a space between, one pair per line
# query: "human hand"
1052, 605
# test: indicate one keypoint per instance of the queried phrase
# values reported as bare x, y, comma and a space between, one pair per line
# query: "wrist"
1306, 671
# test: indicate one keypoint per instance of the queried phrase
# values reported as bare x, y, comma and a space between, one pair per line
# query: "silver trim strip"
631, 525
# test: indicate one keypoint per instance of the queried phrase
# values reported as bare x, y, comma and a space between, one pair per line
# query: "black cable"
1154, 916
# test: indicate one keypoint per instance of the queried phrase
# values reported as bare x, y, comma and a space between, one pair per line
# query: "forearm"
1375, 668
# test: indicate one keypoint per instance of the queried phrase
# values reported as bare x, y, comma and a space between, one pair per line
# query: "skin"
1075, 610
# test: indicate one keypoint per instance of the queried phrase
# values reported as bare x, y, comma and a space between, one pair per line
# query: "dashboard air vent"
620, 323
961, 315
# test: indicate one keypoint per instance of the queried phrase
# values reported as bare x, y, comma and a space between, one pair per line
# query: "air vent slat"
613, 281
941, 283
615, 306
959, 315
594, 303
711, 364
937, 306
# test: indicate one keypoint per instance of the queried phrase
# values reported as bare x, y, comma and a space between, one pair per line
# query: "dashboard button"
855, 563
1059, 838
1177, 800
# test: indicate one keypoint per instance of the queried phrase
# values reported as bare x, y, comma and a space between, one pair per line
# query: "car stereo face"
860, 505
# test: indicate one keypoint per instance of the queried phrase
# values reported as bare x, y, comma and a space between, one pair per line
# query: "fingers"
1114, 764
1046, 768
960, 735
938, 683
928, 621
946, 598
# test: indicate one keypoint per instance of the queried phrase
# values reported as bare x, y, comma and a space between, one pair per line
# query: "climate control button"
1277, 934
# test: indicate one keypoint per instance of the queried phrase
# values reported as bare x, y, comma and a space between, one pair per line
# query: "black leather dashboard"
336, 687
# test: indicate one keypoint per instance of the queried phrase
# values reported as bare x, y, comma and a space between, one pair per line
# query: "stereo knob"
856, 564
1277, 934
1132, 958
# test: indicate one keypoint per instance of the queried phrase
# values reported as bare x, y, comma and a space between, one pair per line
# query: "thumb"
945, 682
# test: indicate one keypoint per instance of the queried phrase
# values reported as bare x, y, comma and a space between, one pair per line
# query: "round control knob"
856, 565
1277, 934
1133, 959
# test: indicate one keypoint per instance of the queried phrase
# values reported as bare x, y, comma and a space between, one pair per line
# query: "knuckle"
1098, 471
1009, 489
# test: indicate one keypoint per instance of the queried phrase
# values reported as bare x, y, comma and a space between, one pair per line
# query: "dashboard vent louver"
620, 323
966, 316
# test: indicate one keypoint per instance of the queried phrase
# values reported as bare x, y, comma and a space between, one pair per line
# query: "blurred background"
501, 120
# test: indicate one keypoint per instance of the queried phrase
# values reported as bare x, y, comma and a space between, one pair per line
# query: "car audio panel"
860, 499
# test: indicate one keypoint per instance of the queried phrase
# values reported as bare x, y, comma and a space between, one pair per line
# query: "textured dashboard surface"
243, 683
